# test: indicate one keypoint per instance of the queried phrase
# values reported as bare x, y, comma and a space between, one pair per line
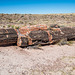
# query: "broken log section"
69, 32
8, 37
27, 29
48, 36
22, 41
35, 35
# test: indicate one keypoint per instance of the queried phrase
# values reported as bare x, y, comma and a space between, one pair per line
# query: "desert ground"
48, 60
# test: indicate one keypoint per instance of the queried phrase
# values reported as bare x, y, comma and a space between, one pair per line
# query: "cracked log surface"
42, 37
36, 37
8, 37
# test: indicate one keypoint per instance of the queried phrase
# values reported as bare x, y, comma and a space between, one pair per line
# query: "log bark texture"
42, 36
69, 32
8, 37
22, 41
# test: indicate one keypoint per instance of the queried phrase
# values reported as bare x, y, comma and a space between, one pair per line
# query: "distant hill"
8, 20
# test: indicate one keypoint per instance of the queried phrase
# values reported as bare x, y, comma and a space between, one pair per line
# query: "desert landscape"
20, 20
53, 59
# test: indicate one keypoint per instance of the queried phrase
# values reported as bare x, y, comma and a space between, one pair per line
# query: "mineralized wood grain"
8, 37
69, 32
42, 37
22, 41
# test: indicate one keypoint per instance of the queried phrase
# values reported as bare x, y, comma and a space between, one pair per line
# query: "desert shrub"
22, 16
30, 17
69, 42
62, 25
9, 26
31, 23
21, 22
9, 19
25, 18
63, 16
3, 26
17, 27
12, 26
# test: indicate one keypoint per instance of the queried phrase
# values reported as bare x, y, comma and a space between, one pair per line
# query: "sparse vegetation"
3, 26
12, 26
31, 19
9, 26
70, 42
17, 27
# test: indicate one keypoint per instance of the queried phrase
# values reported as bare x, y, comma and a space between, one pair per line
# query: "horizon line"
37, 13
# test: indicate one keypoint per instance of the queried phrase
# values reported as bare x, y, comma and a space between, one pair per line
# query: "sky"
37, 6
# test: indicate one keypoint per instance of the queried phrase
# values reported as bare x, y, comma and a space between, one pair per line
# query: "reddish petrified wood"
49, 36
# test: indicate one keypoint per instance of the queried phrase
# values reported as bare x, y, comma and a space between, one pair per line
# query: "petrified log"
34, 38
8, 37
54, 26
69, 32
27, 29
43, 37
62, 33
39, 37
22, 41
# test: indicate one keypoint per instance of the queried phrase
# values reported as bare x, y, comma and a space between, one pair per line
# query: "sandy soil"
51, 60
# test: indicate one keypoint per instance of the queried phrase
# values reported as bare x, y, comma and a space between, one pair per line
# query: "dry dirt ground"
50, 60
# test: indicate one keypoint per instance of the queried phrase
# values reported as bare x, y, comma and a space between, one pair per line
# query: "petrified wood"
48, 36
8, 37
